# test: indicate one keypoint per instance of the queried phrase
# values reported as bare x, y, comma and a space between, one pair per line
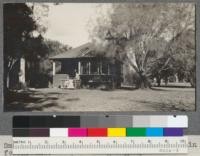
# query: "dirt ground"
81, 100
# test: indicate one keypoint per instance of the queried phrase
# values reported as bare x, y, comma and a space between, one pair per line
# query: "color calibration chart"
138, 134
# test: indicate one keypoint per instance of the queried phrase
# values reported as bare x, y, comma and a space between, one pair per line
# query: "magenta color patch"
77, 132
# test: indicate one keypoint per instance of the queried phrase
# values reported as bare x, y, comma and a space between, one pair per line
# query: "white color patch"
58, 132
177, 121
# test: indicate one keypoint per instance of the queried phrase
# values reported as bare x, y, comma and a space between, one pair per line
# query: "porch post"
79, 67
54, 68
98, 68
108, 68
101, 67
89, 68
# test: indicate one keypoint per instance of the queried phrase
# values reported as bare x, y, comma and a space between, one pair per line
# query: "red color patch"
97, 132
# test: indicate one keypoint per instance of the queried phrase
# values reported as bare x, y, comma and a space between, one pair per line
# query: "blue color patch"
154, 132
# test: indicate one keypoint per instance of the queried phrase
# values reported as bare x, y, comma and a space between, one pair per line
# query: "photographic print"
99, 57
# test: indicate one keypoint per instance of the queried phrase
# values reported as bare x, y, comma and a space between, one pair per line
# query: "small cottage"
92, 70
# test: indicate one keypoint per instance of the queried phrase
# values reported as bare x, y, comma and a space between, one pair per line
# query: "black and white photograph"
99, 57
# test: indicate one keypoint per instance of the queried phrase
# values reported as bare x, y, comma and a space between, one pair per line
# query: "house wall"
106, 72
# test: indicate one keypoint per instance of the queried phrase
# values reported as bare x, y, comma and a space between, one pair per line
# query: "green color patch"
136, 132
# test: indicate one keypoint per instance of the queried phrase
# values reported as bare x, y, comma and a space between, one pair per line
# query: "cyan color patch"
154, 132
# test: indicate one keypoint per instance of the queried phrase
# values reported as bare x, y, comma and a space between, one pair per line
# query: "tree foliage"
151, 37
43, 66
19, 40
53, 48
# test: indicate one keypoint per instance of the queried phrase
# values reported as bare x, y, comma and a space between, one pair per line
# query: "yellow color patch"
116, 132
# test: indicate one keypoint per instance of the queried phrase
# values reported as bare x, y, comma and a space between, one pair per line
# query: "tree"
19, 39
55, 47
42, 66
185, 65
145, 35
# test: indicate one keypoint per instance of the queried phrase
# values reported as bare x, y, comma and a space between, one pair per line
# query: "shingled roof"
85, 50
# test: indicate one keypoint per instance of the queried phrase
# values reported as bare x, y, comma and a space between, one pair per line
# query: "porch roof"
85, 50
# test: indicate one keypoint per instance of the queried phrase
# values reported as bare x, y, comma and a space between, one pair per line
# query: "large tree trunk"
7, 80
166, 81
6, 75
158, 80
143, 82
192, 79
7, 70
22, 80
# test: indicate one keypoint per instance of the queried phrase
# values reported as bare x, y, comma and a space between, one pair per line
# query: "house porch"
93, 72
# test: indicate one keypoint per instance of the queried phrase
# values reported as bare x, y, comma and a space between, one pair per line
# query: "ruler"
100, 145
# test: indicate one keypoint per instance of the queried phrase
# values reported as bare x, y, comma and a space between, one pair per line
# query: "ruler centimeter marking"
101, 145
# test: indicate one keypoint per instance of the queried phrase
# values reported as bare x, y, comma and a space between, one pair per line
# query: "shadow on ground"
51, 99
160, 106
29, 101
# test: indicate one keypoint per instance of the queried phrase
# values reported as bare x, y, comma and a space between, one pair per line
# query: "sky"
67, 23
